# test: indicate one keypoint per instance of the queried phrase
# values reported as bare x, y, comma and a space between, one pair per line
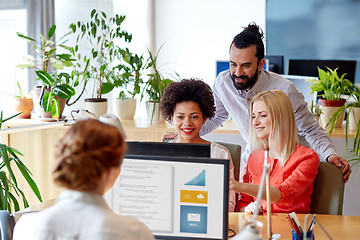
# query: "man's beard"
247, 84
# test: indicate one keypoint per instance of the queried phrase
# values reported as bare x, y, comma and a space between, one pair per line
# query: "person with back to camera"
234, 89
187, 104
293, 167
88, 157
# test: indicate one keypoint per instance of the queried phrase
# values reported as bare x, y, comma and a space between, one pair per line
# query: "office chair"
7, 224
235, 152
328, 194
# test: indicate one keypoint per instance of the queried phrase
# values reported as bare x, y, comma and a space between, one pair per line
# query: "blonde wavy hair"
88, 150
283, 125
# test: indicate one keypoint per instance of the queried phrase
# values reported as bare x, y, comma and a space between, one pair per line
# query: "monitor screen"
168, 149
308, 67
303, 86
176, 197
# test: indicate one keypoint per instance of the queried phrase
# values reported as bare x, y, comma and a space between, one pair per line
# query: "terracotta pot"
332, 103
39, 111
24, 105
97, 106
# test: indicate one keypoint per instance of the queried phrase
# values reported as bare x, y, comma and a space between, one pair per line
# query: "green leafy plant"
97, 63
349, 105
9, 186
329, 85
130, 79
47, 64
156, 82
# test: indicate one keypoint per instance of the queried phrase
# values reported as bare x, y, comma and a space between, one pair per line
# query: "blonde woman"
88, 157
293, 167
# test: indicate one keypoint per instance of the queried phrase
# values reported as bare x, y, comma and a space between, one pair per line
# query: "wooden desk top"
228, 127
338, 226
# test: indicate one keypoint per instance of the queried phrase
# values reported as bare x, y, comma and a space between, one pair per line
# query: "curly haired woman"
187, 104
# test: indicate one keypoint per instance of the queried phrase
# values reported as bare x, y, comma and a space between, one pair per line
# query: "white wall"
197, 33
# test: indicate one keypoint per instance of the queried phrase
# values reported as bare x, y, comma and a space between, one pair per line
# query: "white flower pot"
354, 117
153, 112
326, 115
125, 109
96, 106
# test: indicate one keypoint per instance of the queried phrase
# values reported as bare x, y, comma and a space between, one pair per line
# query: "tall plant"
97, 61
8, 200
156, 82
47, 64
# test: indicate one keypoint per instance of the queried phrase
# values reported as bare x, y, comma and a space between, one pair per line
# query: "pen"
311, 223
296, 220
292, 224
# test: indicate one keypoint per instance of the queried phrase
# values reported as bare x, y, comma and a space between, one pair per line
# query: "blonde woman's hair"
283, 125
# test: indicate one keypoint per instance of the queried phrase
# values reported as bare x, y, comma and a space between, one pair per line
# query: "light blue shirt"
236, 103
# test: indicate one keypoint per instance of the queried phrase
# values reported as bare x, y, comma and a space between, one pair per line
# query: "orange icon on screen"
189, 196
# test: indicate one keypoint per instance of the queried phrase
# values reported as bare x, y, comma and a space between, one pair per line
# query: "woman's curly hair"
187, 90
88, 150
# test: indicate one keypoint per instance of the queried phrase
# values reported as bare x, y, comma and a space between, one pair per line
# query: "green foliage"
349, 105
329, 85
129, 78
47, 64
97, 62
156, 82
8, 200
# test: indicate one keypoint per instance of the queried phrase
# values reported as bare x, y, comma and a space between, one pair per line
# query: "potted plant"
315, 110
96, 58
128, 82
330, 87
55, 88
10, 189
154, 88
23, 104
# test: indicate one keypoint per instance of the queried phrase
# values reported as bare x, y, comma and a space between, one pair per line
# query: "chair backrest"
6, 225
328, 194
235, 152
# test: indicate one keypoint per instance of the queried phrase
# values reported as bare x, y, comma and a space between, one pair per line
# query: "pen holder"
299, 236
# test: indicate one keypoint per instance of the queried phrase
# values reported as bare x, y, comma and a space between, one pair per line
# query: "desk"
338, 226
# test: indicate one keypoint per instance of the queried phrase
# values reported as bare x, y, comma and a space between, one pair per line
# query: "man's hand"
339, 162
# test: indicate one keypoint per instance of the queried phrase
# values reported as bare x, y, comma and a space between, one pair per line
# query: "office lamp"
251, 231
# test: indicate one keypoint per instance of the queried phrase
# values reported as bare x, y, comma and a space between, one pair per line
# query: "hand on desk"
167, 137
339, 162
252, 207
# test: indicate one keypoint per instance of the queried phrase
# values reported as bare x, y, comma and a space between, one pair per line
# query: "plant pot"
97, 106
153, 112
39, 111
24, 105
354, 117
125, 109
328, 107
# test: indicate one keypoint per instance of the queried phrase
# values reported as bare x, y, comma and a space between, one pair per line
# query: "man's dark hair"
251, 35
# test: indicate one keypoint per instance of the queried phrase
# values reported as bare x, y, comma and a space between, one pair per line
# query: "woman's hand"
234, 185
252, 207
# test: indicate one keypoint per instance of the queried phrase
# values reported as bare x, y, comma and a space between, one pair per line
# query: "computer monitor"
176, 197
307, 67
276, 63
168, 149
303, 86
